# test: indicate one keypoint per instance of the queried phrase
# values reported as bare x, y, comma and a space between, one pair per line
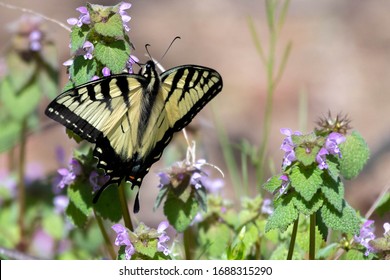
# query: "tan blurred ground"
340, 59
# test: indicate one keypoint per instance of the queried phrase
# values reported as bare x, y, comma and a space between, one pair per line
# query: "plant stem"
106, 237
21, 186
293, 238
188, 239
312, 245
125, 208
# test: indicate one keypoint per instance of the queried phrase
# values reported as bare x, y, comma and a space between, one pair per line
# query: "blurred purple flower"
97, 181
88, 48
84, 17
125, 17
267, 208
212, 185
332, 141
122, 239
130, 62
163, 238
386, 227
365, 236
35, 39
60, 203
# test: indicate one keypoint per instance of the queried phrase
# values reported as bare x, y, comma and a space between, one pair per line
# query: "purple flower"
267, 208
332, 142
88, 48
288, 146
35, 39
321, 158
196, 180
386, 227
212, 185
365, 236
97, 180
163, 238
60, 203
84, 17
130, 62
122, 239
285, 183
125, 17
106, 71
68, 175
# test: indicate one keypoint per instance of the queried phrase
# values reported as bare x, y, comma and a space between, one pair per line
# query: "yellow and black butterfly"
132, 117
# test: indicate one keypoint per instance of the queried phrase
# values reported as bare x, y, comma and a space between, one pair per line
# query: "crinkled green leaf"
147, 248
78, 36
80, 202
333, 167
355, 154
180, 213
82, 70
307, 207
113, 55
305, 157
273, 183
306, 181
284, 215
108, 206
347, 221
334, 192
113, 27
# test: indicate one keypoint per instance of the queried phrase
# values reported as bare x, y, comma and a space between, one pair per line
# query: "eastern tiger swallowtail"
132, 117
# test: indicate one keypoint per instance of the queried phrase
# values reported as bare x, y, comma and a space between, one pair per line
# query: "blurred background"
340, 61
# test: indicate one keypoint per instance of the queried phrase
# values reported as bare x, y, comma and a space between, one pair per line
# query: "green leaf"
306, 181
78, 36
20, 105
82, 70
113, 55
273, 183
304, 157
334, 193
284, 215
108, 206
113, 27
9, 136
160, 196
327, 252
307, 207
355, 154
180, 213
201, 198
21, 70
147, 248
347, 221
383, 206
214, 238
80, 201
53, 224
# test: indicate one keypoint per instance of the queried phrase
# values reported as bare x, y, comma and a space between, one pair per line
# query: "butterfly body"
132, 117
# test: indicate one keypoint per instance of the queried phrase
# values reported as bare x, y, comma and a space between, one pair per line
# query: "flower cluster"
68, 175
87, 49
142, 234
330, 147
365, 236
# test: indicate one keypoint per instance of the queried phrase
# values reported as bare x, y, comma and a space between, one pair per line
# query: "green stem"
312, 245
21, 186
125, 208
293, 238
105, 235
188, 239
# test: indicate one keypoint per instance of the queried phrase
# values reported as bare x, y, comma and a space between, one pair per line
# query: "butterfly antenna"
147, 51
170, 45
